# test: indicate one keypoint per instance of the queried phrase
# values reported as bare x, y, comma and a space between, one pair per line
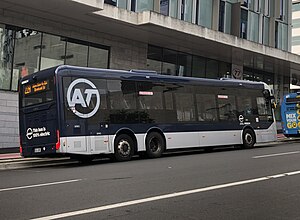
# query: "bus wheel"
248, 138
124, 147
155, 145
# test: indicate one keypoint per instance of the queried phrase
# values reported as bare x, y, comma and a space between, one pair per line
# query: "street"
259, 183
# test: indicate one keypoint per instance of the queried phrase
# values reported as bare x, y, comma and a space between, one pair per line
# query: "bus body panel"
38, 115
266, 135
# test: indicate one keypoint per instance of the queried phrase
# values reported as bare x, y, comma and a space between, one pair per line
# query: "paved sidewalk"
10, 156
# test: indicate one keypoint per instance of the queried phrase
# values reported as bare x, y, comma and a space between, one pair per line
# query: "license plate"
37, 150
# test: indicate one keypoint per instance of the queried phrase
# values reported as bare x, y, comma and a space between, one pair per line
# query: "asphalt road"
260, 183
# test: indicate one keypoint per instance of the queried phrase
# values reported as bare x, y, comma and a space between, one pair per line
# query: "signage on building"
237, 71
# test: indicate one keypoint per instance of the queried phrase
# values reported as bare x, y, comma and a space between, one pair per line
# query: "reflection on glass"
53, 51
27, 51
212, 69
169, 62
98, 58
6, 55
205, 13
187, 11
76, 54
198, 67
144, 5
253, 26
174, 8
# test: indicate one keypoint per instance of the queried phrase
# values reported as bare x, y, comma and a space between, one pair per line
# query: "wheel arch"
158, 130
250, 128
130, 133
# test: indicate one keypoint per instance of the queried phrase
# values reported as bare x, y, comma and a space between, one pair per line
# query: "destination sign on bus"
37, 87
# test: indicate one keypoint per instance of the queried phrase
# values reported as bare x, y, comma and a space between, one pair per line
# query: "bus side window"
244, 105
263, 106
185, 107
227, 107
207, 107
122, 94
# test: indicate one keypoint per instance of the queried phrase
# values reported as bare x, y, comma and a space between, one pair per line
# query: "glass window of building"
144, 5
122, 4
254, 5
27, 51
187, 8
222, 16
265, 4
76, 54
184, 64
253, 26
224, 70
225, 17
212, 69
169, 62
244, 22
173, 8
164, 7
205, 8
266, 30
154, 58
198, 69
53, 51
98, 57
281, 36
6, 57
111, 2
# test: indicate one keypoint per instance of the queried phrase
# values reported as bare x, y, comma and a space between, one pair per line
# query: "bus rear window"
37, 93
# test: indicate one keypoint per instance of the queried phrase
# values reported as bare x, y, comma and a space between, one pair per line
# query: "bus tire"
248, 138
155, 145
124, 148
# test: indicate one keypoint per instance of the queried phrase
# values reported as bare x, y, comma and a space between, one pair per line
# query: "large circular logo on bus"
80, 94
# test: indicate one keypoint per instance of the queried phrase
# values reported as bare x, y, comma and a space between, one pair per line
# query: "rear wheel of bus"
248, 138
124, 147
155, 145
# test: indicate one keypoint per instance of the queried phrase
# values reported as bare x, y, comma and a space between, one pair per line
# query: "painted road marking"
39, 185
165, 196
275, 155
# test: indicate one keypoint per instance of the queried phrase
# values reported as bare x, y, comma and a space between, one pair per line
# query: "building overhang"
151, 28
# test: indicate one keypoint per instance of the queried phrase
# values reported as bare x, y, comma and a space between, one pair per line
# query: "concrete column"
236, 19
215, 17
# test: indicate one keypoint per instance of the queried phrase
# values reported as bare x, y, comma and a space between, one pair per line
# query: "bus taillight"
21, 150
57, 145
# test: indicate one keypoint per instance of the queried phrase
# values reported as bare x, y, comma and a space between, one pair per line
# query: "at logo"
75, 97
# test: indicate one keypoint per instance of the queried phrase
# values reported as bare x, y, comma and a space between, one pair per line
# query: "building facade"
243, 39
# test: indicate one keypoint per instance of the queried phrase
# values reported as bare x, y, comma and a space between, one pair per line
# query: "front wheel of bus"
248, 138
155, 145
124, 147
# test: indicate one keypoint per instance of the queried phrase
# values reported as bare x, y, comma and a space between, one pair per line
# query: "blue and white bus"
290, 115
87, 112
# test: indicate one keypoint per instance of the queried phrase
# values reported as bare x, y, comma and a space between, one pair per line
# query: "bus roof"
144, 75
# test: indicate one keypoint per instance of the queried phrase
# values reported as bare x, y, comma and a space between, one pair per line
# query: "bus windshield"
38, 92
